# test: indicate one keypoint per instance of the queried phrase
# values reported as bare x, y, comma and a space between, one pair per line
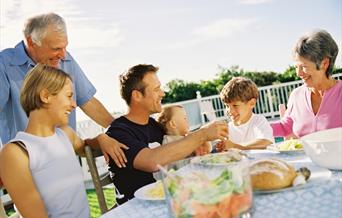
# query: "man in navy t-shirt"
141, 89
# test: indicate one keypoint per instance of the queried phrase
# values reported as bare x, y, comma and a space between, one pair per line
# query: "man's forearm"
171, 152
97, 112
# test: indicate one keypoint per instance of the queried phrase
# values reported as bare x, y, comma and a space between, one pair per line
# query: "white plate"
141, 193
318, 175
299, 151
202, 160
275, 147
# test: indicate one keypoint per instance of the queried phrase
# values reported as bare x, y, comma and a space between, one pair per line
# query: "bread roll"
267, 174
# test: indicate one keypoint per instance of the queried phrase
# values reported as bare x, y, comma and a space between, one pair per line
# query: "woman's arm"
17, 179
108, 146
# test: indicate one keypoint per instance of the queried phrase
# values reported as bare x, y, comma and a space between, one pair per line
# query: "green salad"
198, 196
289, 145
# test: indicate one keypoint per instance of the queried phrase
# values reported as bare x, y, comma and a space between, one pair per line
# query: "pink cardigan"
299, 117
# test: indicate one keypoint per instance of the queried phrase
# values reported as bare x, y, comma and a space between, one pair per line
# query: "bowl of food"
195, 190
223, 158
325, 148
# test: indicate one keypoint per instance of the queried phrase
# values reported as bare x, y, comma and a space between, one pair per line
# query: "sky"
188, 40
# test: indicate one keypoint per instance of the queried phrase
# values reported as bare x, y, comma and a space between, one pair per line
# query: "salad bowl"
194, 190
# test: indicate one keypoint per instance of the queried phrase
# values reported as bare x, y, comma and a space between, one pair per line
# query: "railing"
269, 98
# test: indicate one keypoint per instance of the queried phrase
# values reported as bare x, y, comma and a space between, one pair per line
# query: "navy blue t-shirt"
136, 137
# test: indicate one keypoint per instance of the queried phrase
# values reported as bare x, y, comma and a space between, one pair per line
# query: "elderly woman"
316, 105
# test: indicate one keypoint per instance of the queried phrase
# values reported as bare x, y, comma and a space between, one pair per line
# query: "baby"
175, 123
247, 130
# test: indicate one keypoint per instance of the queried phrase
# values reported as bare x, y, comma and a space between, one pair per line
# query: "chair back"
6, 201
2, 210
207, 111
99, 181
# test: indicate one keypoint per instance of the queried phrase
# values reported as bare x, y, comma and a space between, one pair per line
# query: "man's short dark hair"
132, 80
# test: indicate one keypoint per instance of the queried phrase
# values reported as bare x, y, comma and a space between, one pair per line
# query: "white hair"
36, 27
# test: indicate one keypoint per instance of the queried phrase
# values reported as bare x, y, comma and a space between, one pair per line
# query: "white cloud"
254, 2
216, 30
83, 35
82, 32
223, 28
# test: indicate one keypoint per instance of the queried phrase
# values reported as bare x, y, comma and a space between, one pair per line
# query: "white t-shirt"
257, 127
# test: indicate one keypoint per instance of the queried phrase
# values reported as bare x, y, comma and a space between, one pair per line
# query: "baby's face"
240, 112
181, 121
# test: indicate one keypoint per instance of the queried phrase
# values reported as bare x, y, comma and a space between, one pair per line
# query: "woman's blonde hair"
166, 115
39, 78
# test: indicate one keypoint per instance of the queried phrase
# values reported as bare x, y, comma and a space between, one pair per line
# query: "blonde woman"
38, 167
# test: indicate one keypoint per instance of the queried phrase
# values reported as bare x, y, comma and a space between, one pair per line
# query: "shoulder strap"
20, 144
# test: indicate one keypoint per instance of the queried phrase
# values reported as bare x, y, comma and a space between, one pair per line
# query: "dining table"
319, 197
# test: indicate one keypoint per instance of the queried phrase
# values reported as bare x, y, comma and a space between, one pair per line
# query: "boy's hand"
219, 146
226, 145
203, 149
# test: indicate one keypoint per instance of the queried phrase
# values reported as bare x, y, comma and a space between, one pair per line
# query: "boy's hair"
239, 89
132, 80
39, 78
166, 115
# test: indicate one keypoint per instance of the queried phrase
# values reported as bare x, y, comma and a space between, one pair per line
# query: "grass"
93, 203
95, 211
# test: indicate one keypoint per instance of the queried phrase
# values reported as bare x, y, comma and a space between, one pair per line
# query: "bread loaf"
267, 174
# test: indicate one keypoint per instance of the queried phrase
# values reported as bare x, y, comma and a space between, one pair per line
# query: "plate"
299, 151
275, 147
142, 193
219, 159
318, 175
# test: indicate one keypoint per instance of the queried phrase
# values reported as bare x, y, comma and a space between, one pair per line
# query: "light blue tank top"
57, 174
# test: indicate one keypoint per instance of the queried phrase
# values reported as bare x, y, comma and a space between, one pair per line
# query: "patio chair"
99, 180
2, 210
207, 112
7, 202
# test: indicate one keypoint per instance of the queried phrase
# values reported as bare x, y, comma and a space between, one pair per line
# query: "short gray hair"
36, 27
315, 47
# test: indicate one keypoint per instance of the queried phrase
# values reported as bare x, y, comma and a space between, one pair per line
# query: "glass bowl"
198, 190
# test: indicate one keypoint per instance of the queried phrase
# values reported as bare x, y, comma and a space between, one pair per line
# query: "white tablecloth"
322, 199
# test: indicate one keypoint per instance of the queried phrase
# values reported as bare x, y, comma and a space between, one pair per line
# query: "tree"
180, 90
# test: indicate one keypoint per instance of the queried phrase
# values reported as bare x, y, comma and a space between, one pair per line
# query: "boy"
247, 130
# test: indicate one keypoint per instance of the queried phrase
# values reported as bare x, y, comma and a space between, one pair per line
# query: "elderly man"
45, 42
140, 88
